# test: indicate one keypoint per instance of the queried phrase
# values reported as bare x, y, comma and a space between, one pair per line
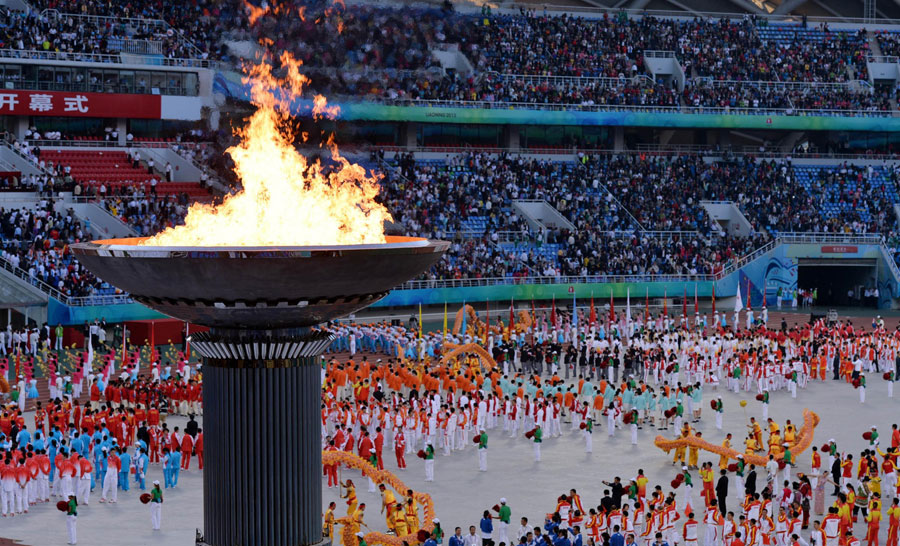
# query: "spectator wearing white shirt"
472, 538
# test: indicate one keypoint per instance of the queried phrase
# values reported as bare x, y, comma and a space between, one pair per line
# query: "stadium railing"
882, 59
137, 60
83, 301
492, 281
563, 107
22, 274
771, 152
502, 236
801, 238
886, 254
7, 144
158, 26
99, 87
513, 8
72, 301
97, 144
837, 238
654, 234
137, 47
600, 81
852, 85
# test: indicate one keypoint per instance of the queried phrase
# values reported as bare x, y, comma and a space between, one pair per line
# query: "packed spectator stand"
617, 203
384, 53
633, 214
590, 63
36, 241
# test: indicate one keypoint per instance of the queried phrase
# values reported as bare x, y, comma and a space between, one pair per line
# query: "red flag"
533, 313
593, 318
487, 321
612, 307
647, 306
714, 298
684, 303
553, 313
749, 295
512, 318
665, 302
764, 296
696, 303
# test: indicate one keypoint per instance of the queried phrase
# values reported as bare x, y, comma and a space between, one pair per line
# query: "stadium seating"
646, 203
385, 53
114, 170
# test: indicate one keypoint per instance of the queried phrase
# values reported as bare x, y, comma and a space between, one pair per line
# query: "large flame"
287, 200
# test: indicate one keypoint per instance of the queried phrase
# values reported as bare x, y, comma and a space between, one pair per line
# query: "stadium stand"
617, 202
620, 203
530, 58
108, 172
37, 241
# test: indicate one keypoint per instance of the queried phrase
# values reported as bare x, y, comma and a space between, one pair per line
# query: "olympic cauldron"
261, 376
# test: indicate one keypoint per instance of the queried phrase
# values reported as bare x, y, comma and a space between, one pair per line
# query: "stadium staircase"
16, 160
874, 46
17, 293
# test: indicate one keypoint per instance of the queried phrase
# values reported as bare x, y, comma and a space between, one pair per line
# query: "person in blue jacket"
456, 539
487, 529
166, 461
577, 539
175, 459
142, 464
124, 469
562, 539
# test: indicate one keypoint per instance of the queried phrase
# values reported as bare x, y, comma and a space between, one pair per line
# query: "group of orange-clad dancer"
426, 404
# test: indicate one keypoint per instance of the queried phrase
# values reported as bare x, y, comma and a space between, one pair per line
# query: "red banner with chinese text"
95, 105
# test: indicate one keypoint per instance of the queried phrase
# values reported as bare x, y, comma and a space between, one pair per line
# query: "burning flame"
287, 200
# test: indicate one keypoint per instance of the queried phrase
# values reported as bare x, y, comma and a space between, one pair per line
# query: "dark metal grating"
263, 436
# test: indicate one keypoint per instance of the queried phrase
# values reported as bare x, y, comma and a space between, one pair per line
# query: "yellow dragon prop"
801, 443
379, 476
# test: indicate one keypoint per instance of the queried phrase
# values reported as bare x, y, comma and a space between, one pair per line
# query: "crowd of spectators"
37, 241
195, 29
888, 43
762, 96
531, 90
148, 214
363, 36
36, 32
503, 48
628, 214
734, 94
532, 43
386, 53
615, 202
727, 50
856, 198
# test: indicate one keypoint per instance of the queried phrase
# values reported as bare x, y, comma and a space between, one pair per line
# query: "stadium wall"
777, 120
775, 267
